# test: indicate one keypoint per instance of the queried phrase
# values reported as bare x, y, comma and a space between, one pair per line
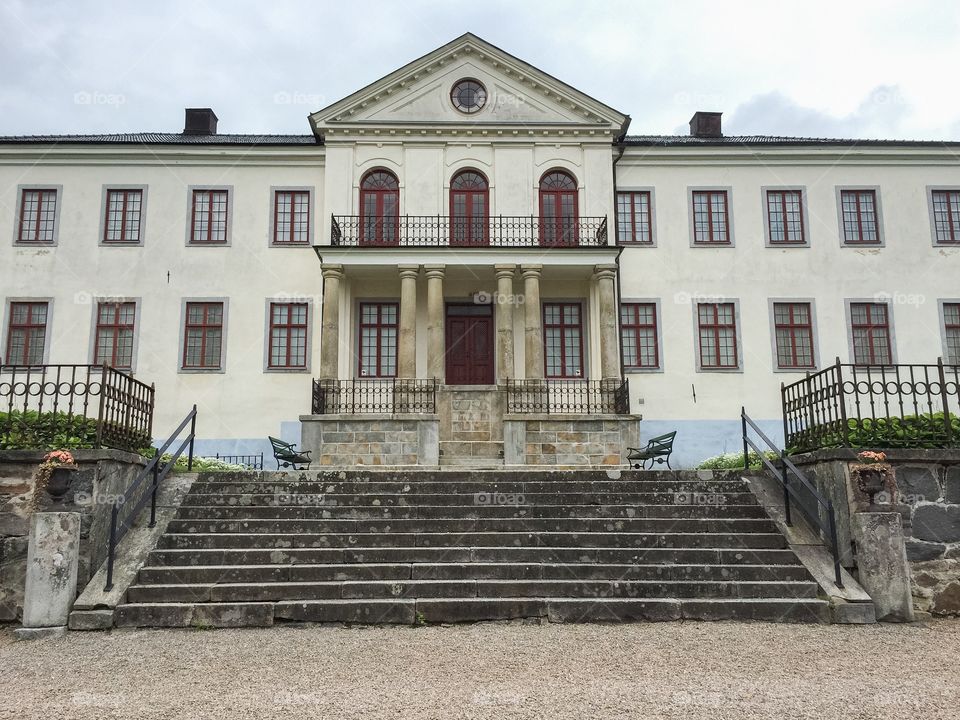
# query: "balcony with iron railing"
499, 231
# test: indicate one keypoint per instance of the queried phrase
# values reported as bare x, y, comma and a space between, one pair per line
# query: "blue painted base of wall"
696, 440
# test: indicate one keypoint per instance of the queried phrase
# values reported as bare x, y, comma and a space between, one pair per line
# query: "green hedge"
734, 461
31, 430
912, 431
200, 464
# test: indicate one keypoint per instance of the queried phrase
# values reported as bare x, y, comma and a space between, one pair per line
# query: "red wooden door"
469, 335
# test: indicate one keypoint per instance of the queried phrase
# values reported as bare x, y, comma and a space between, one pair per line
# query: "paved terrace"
494, 670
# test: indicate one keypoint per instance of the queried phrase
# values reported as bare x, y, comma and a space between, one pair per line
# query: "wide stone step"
439, 610
467, 475
359, 589
292, 556
460, 499
467, 540
168, 575
471, 525
251, 512
464, 487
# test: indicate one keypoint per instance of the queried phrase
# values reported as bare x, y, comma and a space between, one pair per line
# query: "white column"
605, 276
533, 325
407, 342
504, 310
436, 349
330, 324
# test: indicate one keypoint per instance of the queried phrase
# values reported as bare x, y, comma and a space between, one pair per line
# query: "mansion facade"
469, 261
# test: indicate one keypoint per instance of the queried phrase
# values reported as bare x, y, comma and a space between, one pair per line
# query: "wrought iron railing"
574, 397
250, 462
49, 406
127, 507
446, 231
360, 396
894, 406
797, 492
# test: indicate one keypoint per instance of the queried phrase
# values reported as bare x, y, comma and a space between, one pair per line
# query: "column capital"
531, 271
505, 271
435, 271
605, 272
332, 271
409, 271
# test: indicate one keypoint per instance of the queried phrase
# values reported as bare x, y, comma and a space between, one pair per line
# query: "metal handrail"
789, 490
157, 470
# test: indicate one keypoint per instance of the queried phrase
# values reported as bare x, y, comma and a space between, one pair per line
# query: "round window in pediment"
468, 95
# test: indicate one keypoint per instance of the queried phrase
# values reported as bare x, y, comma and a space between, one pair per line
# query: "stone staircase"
464, 545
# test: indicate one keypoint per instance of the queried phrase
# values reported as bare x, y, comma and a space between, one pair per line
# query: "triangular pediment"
517, 95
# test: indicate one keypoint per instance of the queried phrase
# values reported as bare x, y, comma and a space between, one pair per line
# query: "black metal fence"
893, 406
575, 397
446, 231
50, 406
250, 462
370, 396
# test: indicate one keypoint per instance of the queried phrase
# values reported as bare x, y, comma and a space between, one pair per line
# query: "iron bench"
658, 450
287, 455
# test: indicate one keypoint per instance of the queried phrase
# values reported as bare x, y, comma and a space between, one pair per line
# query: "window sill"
285, 370
641, 370
201, 371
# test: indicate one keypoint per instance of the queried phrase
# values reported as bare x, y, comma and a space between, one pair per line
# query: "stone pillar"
436, 349
532, 322
882, 566
407, 343
330, 325
504, 310
605, 275
53, 558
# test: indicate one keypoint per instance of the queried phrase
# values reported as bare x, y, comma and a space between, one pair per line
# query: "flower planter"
60, 480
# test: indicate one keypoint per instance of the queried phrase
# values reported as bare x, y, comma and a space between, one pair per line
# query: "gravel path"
666, 670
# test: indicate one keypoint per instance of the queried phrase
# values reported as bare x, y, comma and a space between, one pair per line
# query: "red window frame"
27, 327
951, 331
563, 327
196, 239
41, 218
877, 324
793, 329
131, 202
632, 205
781, 204
116, 326
715, 328
469, 226
559, 214
712, 220
206, 328
630, 320
949, 206
379, 188
286, 330
299, 201
858, 217
379, 326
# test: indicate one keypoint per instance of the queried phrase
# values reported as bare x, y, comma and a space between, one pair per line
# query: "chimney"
705, 124
200, 121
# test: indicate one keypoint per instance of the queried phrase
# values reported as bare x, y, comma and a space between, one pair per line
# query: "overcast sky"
838, 69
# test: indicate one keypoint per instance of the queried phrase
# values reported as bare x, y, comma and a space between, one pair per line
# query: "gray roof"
740, 140
161, 139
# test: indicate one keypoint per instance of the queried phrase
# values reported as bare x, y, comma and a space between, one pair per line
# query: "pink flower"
868, 457
59, 457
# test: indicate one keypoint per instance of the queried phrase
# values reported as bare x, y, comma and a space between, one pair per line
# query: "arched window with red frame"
379, 208
558, 209
469, 209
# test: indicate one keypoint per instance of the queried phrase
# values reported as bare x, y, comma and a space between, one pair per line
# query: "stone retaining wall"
371, 440
570, 440
926, 493
102, 475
